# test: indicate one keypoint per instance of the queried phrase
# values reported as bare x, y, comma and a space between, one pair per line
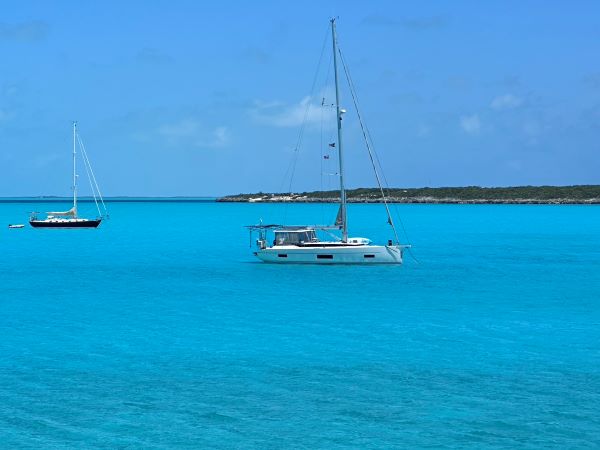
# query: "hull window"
324, 256
282, 255
369, 256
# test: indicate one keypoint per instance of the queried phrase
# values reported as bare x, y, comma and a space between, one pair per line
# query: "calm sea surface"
161, 330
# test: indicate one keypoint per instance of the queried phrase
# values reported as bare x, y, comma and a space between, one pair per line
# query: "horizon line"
85, 197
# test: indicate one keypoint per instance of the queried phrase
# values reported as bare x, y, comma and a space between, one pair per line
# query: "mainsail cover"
70, 213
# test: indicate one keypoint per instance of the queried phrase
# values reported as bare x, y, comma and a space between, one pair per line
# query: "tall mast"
343, 215
74, 168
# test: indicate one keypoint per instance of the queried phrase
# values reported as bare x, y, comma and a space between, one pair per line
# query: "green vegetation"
584, 192
517, 194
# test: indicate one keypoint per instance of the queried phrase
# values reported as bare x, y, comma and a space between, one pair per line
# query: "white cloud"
220, 136
506, 101
470, 124
186, 128
192, 132
278, 114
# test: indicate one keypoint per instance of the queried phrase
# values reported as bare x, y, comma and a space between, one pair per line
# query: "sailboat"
70, 218
300, 244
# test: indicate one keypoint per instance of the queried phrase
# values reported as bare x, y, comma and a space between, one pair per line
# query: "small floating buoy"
18, 225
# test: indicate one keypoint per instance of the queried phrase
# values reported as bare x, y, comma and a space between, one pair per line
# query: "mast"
339, 113
74, 169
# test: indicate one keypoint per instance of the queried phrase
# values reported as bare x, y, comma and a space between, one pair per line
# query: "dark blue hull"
78, 224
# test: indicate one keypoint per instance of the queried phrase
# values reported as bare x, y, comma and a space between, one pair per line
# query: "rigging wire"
87, 166
87, 171
92, 177
321, 161
375, 162
394, 205
324, 150
387, 185
354, 99
292, 167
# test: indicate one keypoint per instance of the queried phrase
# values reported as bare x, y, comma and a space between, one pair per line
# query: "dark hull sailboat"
69, 219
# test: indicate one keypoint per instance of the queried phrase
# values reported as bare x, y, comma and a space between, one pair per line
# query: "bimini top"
292, 228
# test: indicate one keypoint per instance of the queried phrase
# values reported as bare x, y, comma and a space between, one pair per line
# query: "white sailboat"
70, 218
300, 244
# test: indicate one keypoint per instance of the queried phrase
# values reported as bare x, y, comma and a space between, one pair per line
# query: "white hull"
299, 244
353, 254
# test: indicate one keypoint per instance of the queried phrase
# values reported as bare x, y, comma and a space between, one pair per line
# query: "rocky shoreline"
411, 200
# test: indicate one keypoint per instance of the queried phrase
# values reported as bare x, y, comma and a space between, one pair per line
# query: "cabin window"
294, 237
324, 256
282, 255
369, 256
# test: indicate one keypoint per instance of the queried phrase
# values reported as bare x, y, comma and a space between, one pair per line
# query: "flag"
332, 144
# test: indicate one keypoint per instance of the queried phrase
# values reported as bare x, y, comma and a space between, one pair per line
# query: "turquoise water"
160, 330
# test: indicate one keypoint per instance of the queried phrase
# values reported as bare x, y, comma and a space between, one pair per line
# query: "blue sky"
187, 98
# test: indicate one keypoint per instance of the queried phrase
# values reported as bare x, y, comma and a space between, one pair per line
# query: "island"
579, 194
